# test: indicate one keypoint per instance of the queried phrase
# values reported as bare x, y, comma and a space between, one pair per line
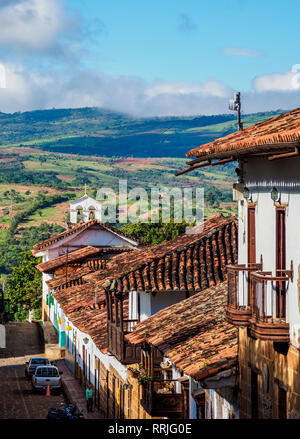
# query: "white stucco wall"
90, 347
260, 176
151, 304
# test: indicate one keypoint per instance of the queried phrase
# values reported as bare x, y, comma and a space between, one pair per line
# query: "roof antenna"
235, 105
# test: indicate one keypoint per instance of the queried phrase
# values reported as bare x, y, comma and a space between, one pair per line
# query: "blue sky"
150, 57
184, 40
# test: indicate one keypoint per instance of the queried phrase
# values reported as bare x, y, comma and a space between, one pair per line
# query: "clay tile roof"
73, 256
189, 262
74, 278
278, 134
76, 229
193, 333
78, 306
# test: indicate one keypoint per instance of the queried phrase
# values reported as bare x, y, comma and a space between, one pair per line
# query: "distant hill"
98, 132
47, 158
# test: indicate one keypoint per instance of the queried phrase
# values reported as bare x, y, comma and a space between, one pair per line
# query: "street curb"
70, 399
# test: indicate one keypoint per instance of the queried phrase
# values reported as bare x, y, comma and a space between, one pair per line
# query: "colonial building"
104, 313
197, 378
264, 292
86, 245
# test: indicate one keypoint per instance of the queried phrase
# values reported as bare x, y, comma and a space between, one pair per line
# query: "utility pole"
235, 105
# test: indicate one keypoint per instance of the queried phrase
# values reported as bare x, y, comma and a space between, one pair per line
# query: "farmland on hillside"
47, 158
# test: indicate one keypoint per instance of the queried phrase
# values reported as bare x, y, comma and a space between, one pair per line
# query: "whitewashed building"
264, 292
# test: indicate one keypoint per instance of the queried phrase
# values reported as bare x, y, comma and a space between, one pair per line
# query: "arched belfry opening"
92, 212
85, 209
79, 212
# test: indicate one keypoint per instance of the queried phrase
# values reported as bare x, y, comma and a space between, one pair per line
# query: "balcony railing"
163, 398
268, 321
124, 351
239, 306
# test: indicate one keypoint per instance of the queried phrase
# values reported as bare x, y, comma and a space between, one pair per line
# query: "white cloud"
242, 51
79, 88
76, 87
209, 88
30, 24
287, 81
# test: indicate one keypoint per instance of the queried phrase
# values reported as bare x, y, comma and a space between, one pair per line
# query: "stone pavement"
74, 392
23, 341
17, 400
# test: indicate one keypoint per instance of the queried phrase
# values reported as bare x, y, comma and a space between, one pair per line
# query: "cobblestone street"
16, 398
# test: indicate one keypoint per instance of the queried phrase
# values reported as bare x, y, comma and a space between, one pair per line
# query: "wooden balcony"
163, 398
239, 306
117, 328
268, 321
124, 351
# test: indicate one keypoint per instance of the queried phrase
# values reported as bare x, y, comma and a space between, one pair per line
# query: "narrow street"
16, 399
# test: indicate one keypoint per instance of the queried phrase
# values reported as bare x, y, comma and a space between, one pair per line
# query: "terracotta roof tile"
193, 333
188, 262
167, 266
76, 255
67, 280
280, 133
78, 304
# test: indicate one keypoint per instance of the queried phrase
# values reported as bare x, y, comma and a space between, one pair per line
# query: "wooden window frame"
280, 261
251, 208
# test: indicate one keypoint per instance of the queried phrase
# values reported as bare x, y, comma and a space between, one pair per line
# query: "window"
251, 235
47, 372
280, 261
39, 361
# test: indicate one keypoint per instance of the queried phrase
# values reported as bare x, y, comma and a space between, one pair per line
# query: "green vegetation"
12, 247
93, 131
24, 287
46, 158
156, 233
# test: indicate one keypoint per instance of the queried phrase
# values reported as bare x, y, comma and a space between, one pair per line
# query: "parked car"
33, 363
45, 376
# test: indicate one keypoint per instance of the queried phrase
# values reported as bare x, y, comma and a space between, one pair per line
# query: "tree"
155, 233
24, 287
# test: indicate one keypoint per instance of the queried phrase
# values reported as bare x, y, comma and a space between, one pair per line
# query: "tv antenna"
235, 105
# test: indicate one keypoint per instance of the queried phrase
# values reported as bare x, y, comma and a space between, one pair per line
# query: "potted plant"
144, 377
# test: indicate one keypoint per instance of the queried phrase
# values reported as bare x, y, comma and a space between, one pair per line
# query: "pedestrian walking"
89, 398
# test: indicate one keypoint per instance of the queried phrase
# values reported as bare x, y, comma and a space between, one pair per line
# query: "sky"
149, 57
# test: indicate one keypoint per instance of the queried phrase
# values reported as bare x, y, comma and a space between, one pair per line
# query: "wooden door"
201, 406
84, 362
254, 395
280, 261
251, 235
282, 403
97, 382
113, 397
